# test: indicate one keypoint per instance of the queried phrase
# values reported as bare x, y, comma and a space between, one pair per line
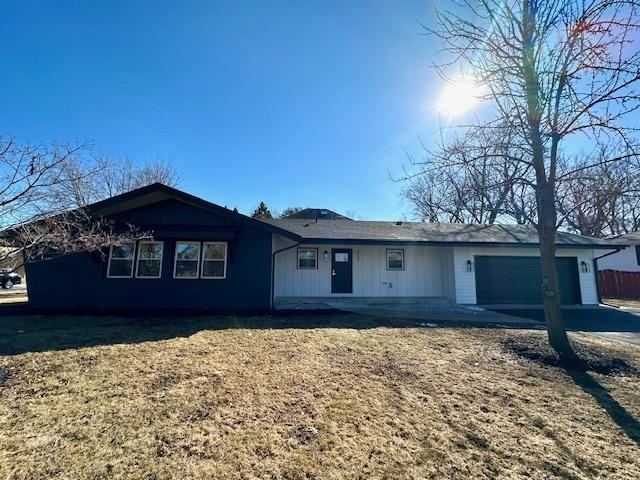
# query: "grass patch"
304, 398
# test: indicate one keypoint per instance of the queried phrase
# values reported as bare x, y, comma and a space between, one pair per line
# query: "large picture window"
121, 260
307, 258
149, 263
214, 260
395, 259
187, 260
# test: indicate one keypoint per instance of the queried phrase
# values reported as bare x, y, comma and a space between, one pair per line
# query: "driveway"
614, 323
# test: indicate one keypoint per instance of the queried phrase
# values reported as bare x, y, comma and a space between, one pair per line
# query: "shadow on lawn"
617, 412
40, 333
603, 362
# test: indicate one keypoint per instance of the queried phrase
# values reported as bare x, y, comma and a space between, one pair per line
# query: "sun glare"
458, 97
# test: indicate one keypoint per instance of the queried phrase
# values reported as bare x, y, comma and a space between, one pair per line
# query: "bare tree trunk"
550, 285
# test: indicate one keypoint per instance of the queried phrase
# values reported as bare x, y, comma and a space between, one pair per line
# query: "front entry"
341, 270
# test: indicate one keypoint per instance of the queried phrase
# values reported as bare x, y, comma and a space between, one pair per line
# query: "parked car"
9, 278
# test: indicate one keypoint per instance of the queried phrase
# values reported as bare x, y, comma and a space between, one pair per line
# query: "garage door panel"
518, 280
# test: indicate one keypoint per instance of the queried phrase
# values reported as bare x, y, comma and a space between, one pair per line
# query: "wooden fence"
617, 284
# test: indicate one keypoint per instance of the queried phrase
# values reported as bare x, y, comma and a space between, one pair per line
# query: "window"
307, 258
638, 254
214, 260
341, 257
187, 260
395, 259
149, 260
121, 260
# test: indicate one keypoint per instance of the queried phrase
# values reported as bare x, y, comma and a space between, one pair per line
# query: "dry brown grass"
619, 302
237, 403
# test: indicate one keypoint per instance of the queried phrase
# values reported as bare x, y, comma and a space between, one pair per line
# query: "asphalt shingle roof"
631, 238
455, 233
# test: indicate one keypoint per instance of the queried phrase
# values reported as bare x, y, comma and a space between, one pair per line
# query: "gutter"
273, 271
595, 269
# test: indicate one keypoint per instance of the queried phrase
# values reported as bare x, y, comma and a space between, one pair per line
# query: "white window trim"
148, 242
315, 267
175, 260
133, 261
226, 250
387, 259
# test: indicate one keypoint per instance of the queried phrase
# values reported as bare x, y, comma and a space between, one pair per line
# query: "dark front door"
518, 280
341, 270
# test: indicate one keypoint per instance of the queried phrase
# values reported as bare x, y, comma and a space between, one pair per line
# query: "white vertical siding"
429, 272
465, 282
426, 273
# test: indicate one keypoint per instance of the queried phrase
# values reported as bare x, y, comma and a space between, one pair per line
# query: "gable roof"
158, 192
452, 234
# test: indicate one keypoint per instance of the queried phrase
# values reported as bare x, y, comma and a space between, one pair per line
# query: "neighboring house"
206, 257
619, 273
628, 258
316, 214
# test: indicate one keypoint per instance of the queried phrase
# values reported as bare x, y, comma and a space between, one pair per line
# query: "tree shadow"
39, 333
593, 360
617, 412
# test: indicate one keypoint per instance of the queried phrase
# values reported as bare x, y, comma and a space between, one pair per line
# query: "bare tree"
554, 70
89, 179
43, 192
599, 198
470, 180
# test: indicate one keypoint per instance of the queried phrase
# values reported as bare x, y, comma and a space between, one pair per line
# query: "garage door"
518, 280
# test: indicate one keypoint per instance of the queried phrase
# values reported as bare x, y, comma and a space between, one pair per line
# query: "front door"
341, 270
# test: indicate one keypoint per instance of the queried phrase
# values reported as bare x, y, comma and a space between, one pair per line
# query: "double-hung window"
395, 259
121, 260
214, 260
187, 260
149, 264
307, 258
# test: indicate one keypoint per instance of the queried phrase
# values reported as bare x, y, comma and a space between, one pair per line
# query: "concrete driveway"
610, 322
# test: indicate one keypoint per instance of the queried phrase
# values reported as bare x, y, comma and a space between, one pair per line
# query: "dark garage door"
518, 280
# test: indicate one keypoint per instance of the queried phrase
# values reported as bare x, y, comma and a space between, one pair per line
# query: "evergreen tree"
262, 211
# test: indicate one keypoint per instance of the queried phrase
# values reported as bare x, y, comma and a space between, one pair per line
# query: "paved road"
615, 323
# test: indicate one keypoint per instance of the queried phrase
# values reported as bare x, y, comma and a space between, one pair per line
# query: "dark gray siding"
79, 281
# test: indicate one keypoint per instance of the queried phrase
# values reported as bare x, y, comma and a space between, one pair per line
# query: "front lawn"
93, 398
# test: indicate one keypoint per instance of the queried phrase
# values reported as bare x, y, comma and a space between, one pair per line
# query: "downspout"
273, 272
595, 268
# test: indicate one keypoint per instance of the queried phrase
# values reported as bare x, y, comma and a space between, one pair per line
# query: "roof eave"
351, 241
104, 207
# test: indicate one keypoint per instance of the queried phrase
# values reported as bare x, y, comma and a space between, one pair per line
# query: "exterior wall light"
469, 266
584, 266
325, 256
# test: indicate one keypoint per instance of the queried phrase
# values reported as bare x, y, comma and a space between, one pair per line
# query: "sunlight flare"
461, 95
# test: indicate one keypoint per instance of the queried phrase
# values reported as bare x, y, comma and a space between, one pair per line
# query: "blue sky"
300, 103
